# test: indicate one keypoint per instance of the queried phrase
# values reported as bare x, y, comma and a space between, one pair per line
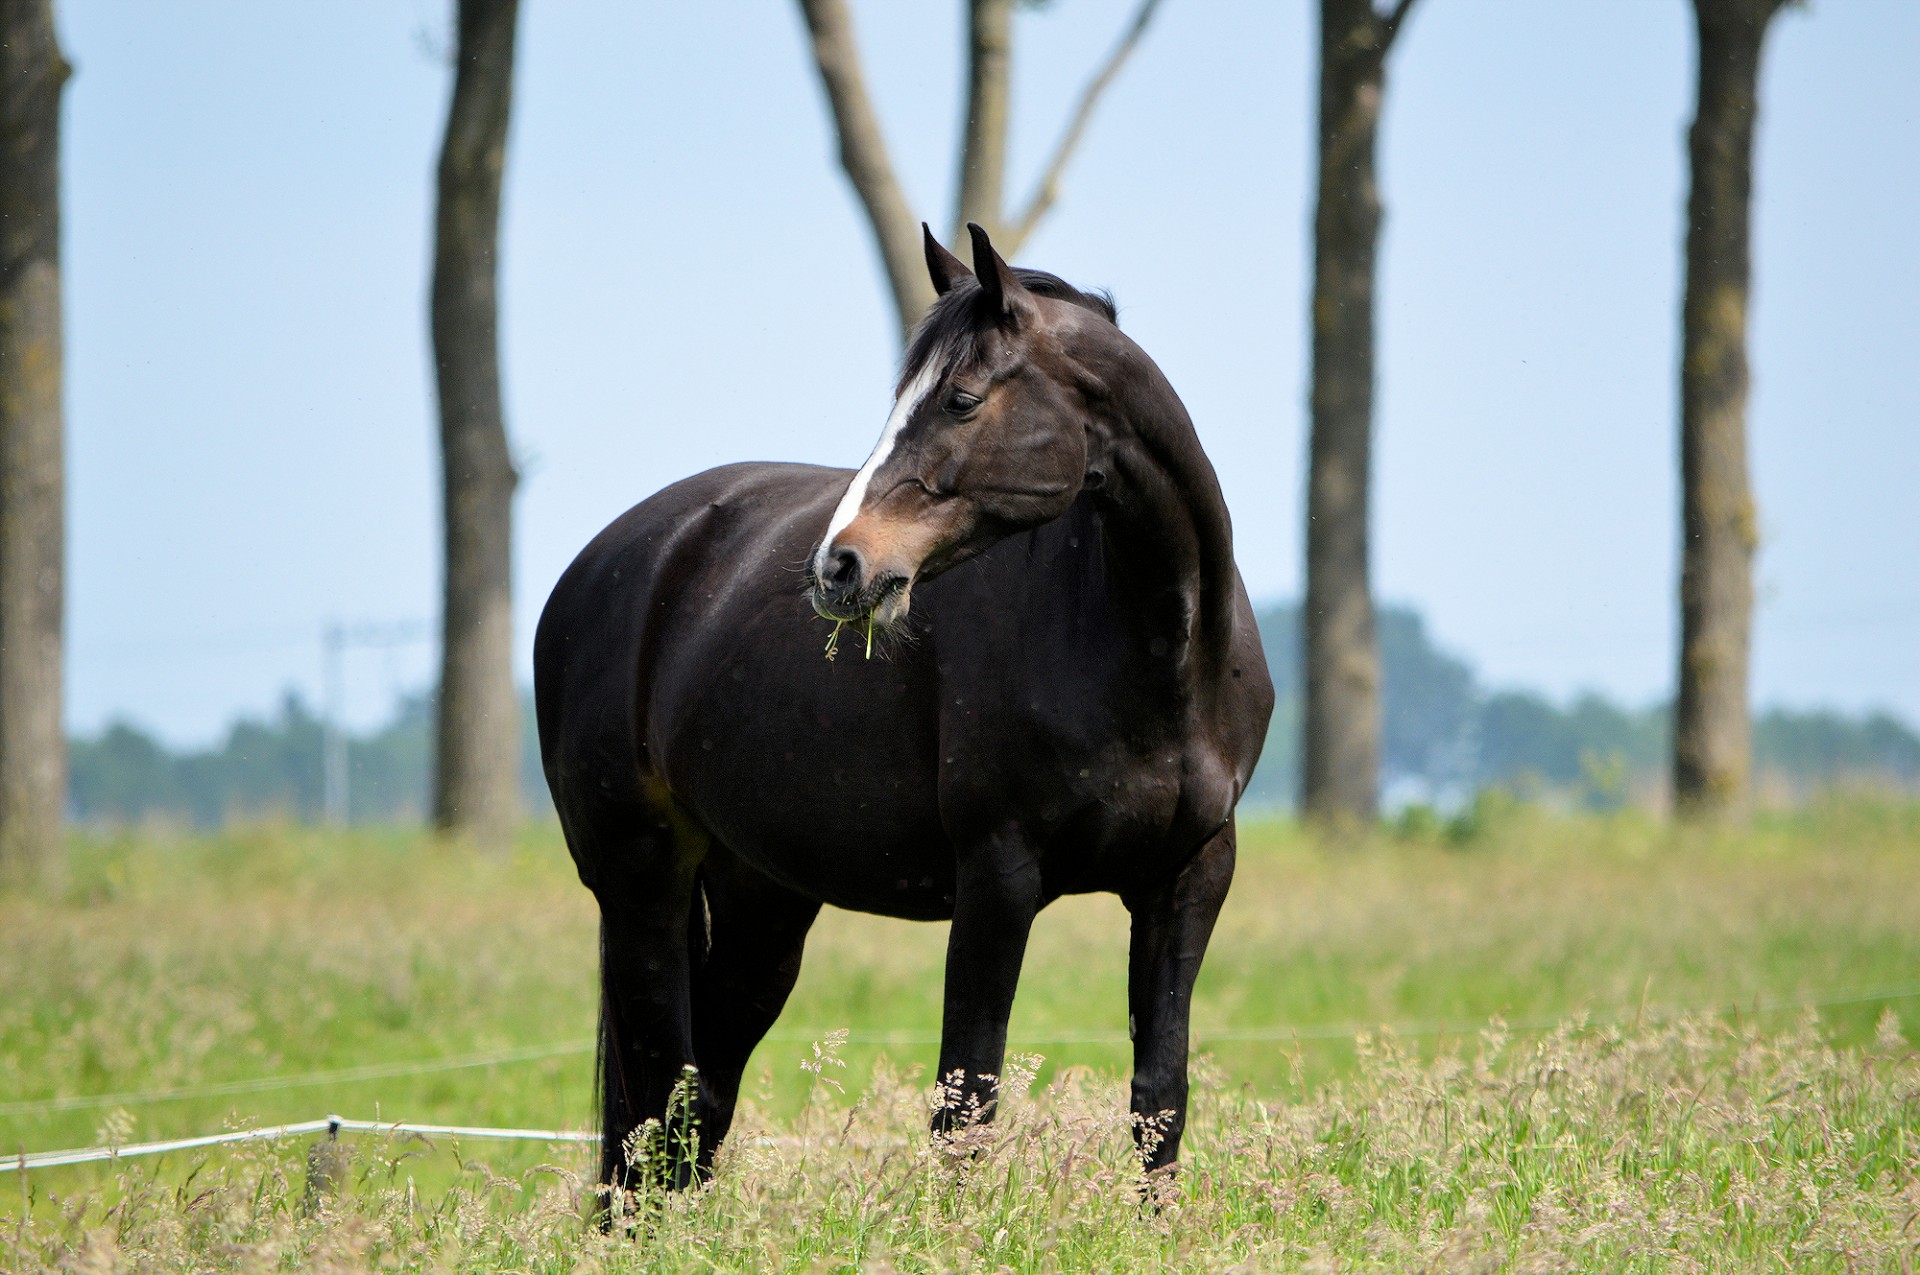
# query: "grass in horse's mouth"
833, 638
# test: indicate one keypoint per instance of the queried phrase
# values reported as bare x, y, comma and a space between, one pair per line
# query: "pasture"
1519, 1040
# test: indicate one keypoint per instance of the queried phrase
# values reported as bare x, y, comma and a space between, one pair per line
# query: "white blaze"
903, 409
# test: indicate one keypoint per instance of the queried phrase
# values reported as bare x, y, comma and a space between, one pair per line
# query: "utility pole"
333, 645
336, 640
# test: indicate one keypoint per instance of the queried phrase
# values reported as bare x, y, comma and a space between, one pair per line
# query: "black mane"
951, 325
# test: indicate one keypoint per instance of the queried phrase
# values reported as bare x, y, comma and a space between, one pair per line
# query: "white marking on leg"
903, 410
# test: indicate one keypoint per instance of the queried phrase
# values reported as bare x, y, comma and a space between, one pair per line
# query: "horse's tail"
619, 1106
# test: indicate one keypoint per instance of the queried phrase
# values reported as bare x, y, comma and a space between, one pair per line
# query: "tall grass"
1685, 1114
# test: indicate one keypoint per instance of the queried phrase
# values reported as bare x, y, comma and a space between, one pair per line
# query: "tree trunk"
1712, 731
476, 759
1341, 725
983, 140
33, 772
863, 153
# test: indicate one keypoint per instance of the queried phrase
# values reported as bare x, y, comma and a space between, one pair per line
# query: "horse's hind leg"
756, 931
645, 868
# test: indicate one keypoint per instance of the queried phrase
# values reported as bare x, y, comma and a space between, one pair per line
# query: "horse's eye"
959, 402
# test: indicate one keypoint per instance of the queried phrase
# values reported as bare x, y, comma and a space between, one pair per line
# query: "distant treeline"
1446, 737
271, 768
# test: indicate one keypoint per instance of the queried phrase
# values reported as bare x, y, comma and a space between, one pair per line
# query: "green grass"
1690, 1113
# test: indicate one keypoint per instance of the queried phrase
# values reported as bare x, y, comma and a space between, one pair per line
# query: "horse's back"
754, 500
675, 565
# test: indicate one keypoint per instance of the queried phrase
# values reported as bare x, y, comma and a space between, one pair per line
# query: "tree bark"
476, 759
983, 136
1712, 729
33, 773
1341, 722
863, 153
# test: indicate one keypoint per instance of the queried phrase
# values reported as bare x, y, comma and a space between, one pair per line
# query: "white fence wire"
270, 1084
331, 1126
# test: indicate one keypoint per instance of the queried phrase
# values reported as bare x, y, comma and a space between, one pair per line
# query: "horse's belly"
835, 803
914, 882
880, 855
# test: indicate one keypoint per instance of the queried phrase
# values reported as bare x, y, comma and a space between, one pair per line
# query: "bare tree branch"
863, 153
983, 146
1390, 25
1048, 188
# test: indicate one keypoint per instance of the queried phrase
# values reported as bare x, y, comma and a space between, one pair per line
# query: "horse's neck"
1169, 542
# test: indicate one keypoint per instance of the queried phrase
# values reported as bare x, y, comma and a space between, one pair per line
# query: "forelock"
951, 330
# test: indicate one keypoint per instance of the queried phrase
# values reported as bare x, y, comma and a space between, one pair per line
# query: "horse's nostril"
841, 570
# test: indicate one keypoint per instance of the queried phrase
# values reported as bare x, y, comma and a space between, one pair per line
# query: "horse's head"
988, 435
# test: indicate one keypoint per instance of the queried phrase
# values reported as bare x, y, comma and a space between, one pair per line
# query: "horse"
1052, 685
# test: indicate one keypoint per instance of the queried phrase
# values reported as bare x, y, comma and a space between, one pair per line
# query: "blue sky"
687, 281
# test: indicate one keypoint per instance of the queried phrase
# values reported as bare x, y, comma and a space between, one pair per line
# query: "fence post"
328, 1162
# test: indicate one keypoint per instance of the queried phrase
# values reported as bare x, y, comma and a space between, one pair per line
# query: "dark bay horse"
1050, 683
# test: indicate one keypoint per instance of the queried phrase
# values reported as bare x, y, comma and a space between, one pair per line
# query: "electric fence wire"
1203, 1035
333, 1126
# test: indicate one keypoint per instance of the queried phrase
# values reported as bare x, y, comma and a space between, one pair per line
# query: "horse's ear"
1000, 291
943, 267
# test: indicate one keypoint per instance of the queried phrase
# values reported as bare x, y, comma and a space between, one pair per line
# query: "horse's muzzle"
840, 587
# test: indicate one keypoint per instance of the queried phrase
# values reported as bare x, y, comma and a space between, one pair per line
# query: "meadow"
1513, 1040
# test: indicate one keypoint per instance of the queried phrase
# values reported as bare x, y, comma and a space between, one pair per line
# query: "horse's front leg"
1171, 926
996, 894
